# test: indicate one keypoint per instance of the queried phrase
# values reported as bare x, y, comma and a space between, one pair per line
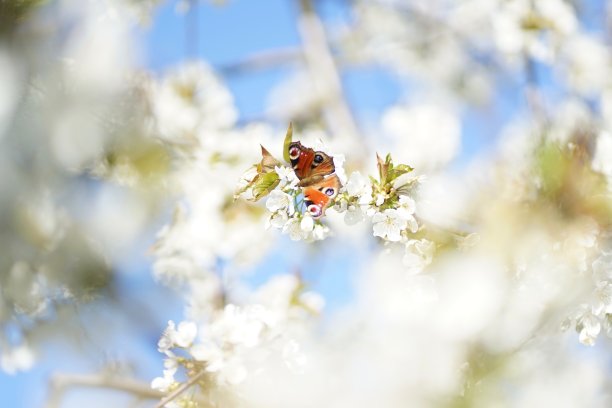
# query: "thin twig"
263, 60
174, 394
532, 91
61, 382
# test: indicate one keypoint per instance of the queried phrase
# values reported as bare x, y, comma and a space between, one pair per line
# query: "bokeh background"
125, 127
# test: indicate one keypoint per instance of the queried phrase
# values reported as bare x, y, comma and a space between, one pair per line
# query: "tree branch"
61, 382
174, 394
321, 63
263, 60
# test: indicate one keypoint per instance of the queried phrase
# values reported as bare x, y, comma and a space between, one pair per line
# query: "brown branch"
263, 60
174, 394
61, 382
326, 75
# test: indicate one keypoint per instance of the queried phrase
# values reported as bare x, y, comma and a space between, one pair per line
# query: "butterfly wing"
318, 196
310, 166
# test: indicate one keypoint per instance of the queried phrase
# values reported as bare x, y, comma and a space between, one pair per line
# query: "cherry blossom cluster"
285, 206
238, 339
385, 200
594, 317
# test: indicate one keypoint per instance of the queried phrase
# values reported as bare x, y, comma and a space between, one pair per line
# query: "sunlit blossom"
280, 201
19, 358
164, 383
389, 224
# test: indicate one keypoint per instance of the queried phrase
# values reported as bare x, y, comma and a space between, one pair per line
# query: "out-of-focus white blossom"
518, 27
164, 383
587, 69
589, 327
426, 136
295, 97
602, 160
189, 98
20, 358
419, 254
238, 337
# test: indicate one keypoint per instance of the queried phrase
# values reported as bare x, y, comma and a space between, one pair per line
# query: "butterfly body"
316, 172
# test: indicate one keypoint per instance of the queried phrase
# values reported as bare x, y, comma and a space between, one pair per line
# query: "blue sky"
227, 34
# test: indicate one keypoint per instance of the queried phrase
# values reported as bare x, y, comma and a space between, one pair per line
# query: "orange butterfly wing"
315, 170
318, 196
309, 166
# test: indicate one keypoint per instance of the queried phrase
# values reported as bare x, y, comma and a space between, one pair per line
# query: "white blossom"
590, 326
164, 383
359, 186
287, 177
307, 223
19, 358
602, 268
181, 336
185, 334
188, 98
209, 352
353, 215
277, 219
406, 210
389, 225
603, 294
419, 254
320, 232
280, 201
602, 160
294, 229
427, 136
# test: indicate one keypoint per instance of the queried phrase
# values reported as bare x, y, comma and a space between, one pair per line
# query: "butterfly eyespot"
315, 210
329, 191
294, 153
318, 159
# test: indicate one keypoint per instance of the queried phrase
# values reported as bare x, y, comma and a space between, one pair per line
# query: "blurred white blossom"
19, 358
427, 136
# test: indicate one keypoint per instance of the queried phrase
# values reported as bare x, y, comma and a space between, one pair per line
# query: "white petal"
353, 215
307, 223
185, 334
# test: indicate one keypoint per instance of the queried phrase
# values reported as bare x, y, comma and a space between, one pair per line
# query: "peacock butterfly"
315, 171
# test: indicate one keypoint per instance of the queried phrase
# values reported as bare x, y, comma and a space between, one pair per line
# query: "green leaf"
404, 168
400, 170
288, 140
373, 181
554, 165
263, 184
